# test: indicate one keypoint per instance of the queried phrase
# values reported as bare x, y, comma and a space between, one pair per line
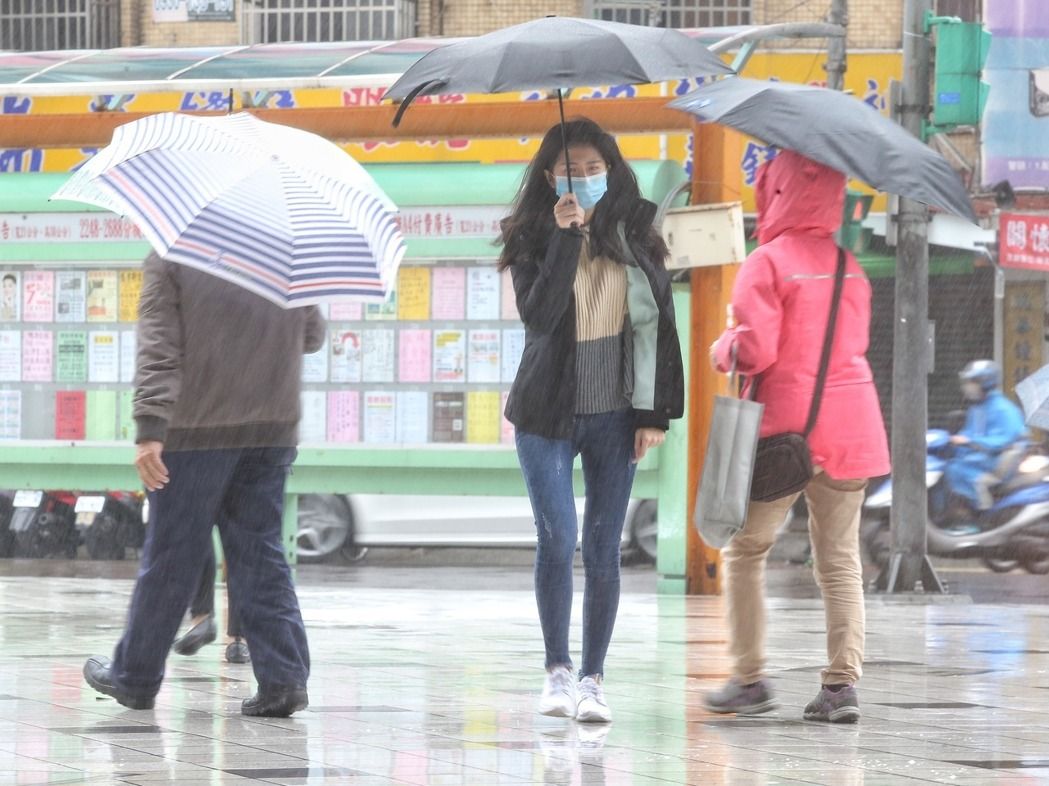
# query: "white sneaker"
559, 693
592, 707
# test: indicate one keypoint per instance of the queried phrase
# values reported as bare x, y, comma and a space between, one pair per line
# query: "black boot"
98, 673
275, 702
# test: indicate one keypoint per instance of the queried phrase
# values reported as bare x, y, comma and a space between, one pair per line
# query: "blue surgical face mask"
588, 190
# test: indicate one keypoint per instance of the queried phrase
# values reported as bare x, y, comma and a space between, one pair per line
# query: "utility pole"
836, 66
909, 562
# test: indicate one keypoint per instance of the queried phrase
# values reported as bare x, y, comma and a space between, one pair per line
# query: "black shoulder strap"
828, 343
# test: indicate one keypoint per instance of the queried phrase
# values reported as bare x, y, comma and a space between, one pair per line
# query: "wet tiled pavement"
438, 686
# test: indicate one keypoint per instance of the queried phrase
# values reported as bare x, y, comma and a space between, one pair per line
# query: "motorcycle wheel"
1039, 565
103, 538
46, 536
999, 565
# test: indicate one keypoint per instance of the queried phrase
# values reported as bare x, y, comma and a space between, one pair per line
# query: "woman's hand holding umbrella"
568, 213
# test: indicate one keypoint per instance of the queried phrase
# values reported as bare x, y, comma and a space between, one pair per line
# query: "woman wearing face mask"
600, 377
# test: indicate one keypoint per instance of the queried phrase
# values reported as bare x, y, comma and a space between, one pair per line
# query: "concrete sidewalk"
426, 685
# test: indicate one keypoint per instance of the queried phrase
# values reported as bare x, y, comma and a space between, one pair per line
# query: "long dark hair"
527, 230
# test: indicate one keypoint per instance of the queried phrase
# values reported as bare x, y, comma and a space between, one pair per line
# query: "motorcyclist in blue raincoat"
993, 424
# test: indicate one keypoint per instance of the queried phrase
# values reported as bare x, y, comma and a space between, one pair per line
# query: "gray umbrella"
556, 52
837, 130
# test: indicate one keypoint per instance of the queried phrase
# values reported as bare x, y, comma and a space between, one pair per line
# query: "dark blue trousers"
242, 491
606, 444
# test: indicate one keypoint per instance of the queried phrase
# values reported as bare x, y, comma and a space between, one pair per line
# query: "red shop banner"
1023, 241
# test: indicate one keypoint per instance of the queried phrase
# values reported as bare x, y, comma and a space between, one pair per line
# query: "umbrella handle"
564, 146
564, 139
412, 95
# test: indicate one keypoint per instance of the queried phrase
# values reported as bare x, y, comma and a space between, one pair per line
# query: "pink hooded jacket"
781, 302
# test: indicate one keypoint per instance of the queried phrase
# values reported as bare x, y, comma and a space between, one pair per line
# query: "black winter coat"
542, 398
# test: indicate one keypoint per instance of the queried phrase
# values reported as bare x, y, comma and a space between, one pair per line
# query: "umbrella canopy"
837, 130
1033, 393
279, 211
558, 52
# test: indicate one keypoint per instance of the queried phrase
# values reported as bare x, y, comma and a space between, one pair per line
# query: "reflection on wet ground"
426, 675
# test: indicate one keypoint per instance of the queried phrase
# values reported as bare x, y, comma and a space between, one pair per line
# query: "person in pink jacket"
780, 307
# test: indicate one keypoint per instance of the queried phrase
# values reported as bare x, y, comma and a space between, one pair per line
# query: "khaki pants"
834, 526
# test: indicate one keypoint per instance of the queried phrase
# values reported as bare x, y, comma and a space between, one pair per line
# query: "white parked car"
330, 525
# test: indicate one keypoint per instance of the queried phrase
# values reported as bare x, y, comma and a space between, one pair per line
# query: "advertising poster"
350, 311
413, 355
413, 417
71, 349
130, 293
10, 414
38, 356
315, 365
378, 354
482, 293
102, 296
482, 417
1015, 123
101, 420
38, 296
483, 360
506, 435
508, 304
128, 354
70, 411
10, 296
449, 417
103, 356
413, 294
125, 415
383, 312
449, 293
10, 355
346, 355
513, 348
71, 300
380, 417
449, 356
344, 418
313, 426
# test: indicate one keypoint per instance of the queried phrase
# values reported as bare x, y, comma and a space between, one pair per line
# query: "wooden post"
715, 178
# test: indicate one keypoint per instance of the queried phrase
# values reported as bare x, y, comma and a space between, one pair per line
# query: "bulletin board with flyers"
433, 364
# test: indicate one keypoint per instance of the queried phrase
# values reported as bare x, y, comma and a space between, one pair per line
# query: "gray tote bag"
724, 486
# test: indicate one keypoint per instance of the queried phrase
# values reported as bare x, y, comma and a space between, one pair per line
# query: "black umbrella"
834, 129
556, 52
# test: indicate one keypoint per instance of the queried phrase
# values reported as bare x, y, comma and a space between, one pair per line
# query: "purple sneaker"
830, 706
741, 699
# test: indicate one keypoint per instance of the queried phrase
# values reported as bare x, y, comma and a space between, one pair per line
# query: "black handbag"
783, 465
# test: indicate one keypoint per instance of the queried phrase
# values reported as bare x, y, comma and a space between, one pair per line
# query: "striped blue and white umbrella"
279, 211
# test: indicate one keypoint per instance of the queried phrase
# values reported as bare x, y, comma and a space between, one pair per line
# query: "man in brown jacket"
216, 406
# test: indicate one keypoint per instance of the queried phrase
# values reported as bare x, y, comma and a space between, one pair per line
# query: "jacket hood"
796, 194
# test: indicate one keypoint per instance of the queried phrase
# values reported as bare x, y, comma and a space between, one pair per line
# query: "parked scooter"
42, 524
108, 524
1014, 532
